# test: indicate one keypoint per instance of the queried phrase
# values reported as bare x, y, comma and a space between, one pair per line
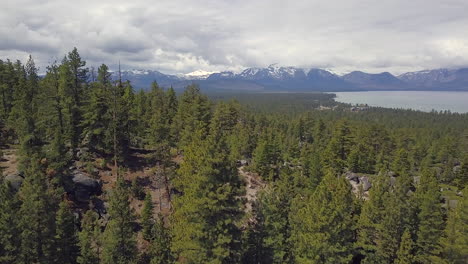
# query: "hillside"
96, 172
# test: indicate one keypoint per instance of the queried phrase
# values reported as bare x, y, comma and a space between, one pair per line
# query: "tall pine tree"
324, 232
430, 219
455, 240
90, 239
65, 235
9, 223
37, 224
119, 238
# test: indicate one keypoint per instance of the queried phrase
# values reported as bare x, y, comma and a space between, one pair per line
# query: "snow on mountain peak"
199, 74
272, 71
138, 72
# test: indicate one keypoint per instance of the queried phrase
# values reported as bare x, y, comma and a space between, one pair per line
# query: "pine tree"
241, 141
371, 215
171, 105
96, 116
266, 157
119, 241
137, 190
430, 219
52, 107
188, 218
252, 242
383, 220
274, 209
339, 147
461, 177
127, 117
89, 239
9, 218
141, 127
78, 76
58, 158
120, 105
7, 84
455, 240
205, 216
319, 133
327, 229
193, 113
311, 166
401, 164
359, 159
158, 130
268, 238
65, 235
225, 118
37, 224
65, 80
390, 229
51, 121
161, 244
405, 254
24, 118
147, 219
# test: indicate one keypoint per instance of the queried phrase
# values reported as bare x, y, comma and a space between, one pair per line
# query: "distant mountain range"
291, 79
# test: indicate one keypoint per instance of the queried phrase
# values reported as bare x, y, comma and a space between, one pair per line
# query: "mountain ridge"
293, 79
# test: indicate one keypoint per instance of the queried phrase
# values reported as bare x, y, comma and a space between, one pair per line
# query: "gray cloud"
181, 36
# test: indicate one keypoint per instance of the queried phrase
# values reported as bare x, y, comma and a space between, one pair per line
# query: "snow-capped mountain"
279, 78
225, 75
273, 72
143, 78
449, 79
428, 77
199, 75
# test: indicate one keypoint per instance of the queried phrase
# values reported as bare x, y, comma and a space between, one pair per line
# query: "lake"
418, 100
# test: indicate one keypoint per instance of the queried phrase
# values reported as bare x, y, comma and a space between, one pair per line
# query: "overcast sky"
179, 36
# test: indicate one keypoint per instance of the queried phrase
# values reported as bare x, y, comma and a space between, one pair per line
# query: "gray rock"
416, 179
392, 181
351, 176
15, 180
355, 186
84, 186
99, 206
366, 185
243, 162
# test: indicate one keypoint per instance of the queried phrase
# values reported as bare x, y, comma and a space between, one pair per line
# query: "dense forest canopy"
96, 172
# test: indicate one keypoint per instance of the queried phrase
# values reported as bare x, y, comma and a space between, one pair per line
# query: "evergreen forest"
95, 171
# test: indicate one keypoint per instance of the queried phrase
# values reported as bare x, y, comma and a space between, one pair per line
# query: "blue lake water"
417, 100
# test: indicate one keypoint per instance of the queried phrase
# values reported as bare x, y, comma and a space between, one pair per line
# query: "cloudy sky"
178, 36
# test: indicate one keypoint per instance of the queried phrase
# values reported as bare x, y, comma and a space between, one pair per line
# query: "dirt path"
9, 162
253, 185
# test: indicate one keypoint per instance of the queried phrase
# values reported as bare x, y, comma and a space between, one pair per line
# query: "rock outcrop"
84, 186
15, 180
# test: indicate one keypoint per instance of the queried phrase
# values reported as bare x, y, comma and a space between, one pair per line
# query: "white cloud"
182, 36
